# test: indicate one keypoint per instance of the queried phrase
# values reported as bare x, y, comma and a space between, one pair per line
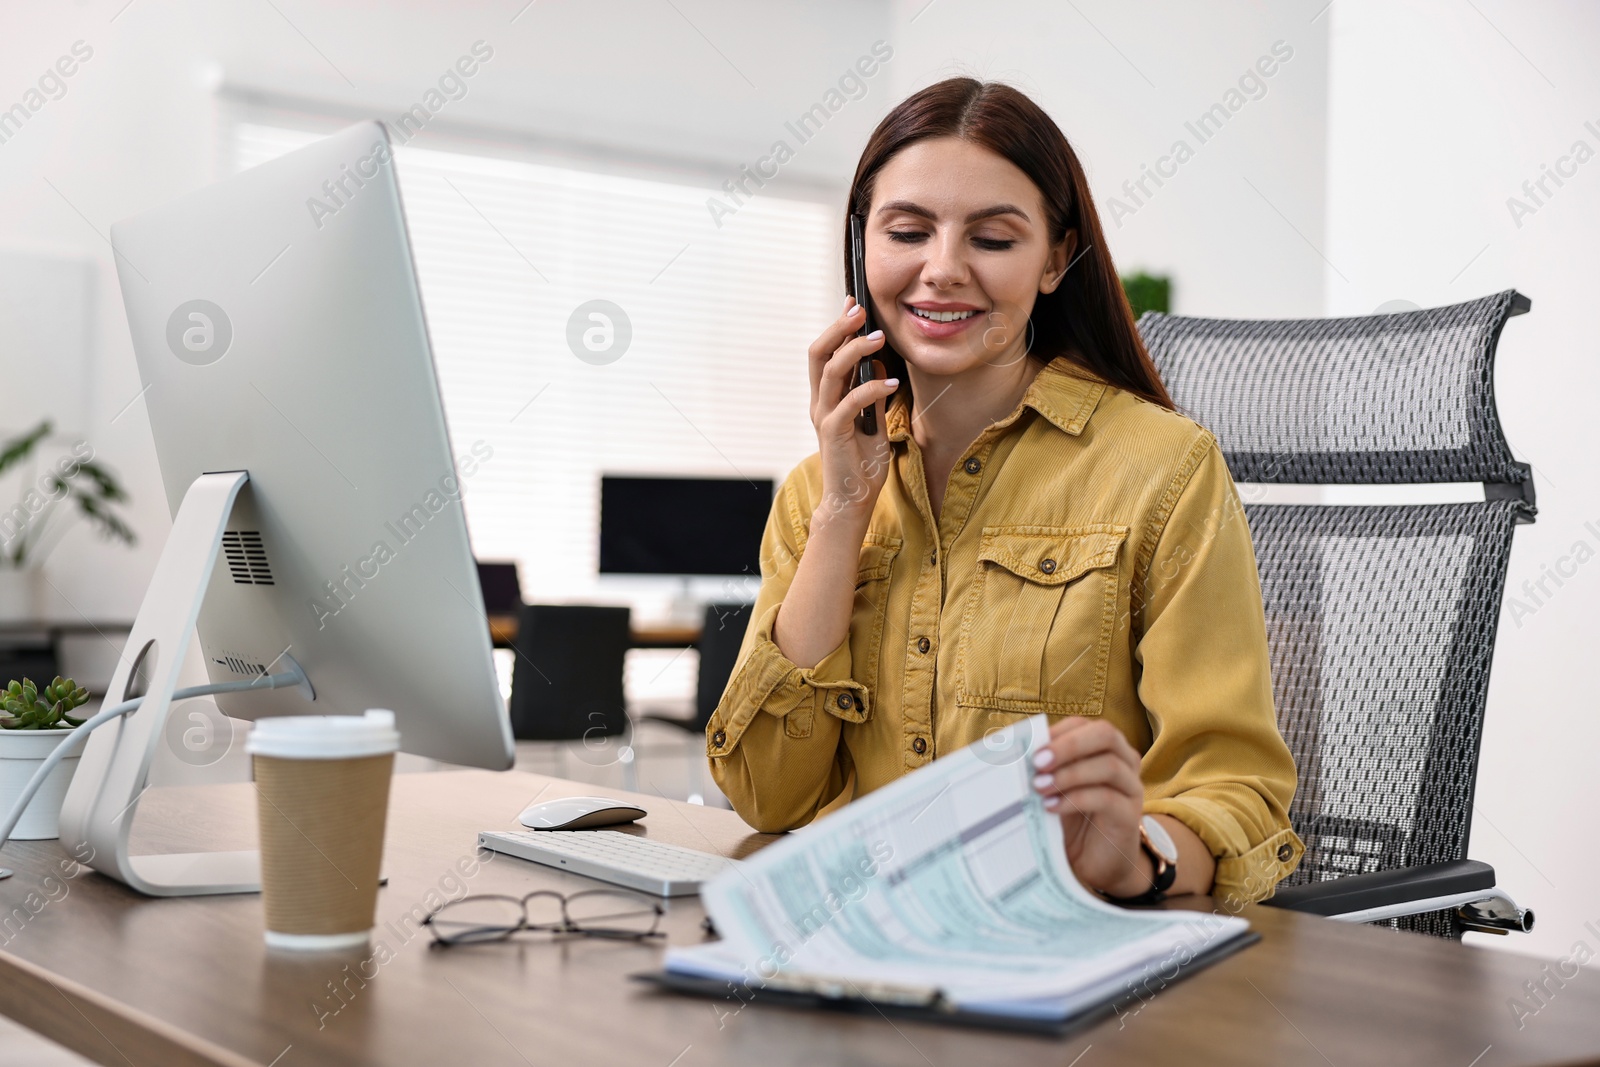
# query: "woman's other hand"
1088, 774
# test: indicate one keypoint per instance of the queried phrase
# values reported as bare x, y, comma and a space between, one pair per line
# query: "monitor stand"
684, 609
114, 770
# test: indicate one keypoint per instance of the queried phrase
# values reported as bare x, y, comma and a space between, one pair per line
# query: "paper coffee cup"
322, 795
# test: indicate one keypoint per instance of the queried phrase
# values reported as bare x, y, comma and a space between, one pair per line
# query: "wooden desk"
131, 981
503, 632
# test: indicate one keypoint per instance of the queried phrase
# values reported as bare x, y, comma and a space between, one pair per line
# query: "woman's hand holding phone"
854, 464
815, 615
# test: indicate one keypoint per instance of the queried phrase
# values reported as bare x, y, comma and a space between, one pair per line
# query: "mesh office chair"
1380, 618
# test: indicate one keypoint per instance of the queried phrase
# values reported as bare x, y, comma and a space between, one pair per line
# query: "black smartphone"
867, 421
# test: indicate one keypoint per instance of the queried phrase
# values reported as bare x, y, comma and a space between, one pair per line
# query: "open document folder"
947, 890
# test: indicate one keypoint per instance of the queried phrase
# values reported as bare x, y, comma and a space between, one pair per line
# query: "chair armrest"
1385, 889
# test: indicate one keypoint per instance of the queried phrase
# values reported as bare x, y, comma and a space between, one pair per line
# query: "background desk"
503, 631
130, 981
33, 648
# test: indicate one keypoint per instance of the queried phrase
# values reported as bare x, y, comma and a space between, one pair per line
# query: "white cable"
105, 715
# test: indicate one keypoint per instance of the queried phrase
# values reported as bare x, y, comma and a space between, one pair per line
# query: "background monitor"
279, 331
502, 590
682, 526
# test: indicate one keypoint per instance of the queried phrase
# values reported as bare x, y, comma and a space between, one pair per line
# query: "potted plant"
32, 723
27, 529
1147, 292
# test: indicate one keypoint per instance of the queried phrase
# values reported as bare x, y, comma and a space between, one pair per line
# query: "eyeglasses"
592, 913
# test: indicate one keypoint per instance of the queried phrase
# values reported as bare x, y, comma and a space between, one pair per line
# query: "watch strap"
1165, 874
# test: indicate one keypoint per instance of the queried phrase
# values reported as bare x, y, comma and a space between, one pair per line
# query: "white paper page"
953, 877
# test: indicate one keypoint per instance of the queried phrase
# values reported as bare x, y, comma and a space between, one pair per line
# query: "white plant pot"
21, 752
20, 593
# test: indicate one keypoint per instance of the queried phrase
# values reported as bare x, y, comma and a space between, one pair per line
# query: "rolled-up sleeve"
1217, 762
773, 740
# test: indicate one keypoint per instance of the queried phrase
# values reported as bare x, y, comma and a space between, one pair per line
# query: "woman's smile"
938, 321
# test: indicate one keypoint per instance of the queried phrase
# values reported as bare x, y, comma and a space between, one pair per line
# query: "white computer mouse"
579, 813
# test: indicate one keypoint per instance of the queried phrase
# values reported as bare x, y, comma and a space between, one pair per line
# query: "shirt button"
1284, 852
843, 701
1047, 565
974, 465
919, 746
718, 738
923, 644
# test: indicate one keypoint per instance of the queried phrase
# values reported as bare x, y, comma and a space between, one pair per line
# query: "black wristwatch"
1163, 852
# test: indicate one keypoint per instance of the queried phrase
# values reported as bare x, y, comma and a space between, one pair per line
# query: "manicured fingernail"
874, 335
856, 310
892, 383
1042, 782
1044, 758
1052, 803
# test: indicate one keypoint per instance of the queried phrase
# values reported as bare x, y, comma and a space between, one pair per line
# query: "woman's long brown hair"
1087, 318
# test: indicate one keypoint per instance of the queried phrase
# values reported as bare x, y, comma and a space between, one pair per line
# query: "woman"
1032, 529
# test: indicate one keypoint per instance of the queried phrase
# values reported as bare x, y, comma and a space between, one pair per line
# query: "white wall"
1122, 80
1438, 112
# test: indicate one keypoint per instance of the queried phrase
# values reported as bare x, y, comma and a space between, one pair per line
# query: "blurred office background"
588, 157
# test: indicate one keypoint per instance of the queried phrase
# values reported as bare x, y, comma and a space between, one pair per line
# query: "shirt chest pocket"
1036, 635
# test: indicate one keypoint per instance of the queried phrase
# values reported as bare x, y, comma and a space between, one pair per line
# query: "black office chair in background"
567, 684
1381, 618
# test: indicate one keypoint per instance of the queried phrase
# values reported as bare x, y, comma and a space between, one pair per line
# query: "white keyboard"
611, 856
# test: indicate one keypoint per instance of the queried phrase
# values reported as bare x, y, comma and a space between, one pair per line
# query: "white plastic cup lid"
325, 736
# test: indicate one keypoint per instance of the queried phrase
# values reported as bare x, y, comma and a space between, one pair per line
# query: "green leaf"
19, 448
105, 482
91, 487
109, 525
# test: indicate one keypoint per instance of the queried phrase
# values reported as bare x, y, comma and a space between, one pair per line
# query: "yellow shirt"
1091, 557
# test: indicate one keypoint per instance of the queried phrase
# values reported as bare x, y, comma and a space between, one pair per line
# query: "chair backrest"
1381, 618
567, 684
720, 638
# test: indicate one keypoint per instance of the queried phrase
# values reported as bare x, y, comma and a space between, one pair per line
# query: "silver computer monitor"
279, 330
280, 334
